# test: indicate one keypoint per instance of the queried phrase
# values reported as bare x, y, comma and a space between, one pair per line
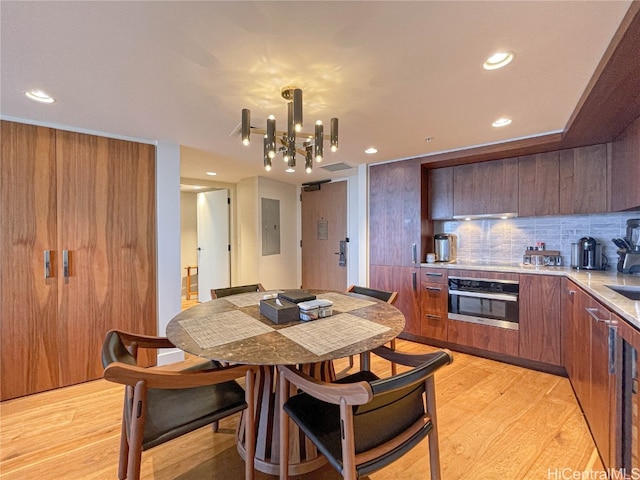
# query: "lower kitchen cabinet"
627, 425
403, 280
539, 306
587, 361
434, 304
484, 337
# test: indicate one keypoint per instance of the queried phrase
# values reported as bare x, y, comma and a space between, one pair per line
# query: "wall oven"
484, 301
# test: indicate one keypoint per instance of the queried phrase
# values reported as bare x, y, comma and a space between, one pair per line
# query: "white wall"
168, 240
273, 271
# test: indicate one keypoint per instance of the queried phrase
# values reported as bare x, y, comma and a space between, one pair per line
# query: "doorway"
214, 269
325, 252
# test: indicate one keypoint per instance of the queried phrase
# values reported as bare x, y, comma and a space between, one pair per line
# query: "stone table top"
231, 329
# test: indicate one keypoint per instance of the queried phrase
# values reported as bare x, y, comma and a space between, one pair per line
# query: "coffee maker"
444, 246
586, 254
629, 251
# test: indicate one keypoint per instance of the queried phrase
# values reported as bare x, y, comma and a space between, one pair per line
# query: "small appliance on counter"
587, 255
629, 248
541, 257
444, 247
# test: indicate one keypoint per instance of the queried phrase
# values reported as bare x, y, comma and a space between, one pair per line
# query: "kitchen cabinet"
627, 421
625, 169
395, 199
405, 281
539, 184
589, 330
434, 302
440, 186
486, 188
539, 312
584, 179
90, 203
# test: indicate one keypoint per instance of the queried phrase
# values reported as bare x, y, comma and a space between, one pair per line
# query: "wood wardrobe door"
28, 323
106, 223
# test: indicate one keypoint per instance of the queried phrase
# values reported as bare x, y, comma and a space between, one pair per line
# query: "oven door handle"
491, 296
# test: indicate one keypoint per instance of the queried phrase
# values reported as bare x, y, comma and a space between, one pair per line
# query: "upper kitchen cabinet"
395, 203
539, 184
486, 188
625, 169
440, 185
583, 179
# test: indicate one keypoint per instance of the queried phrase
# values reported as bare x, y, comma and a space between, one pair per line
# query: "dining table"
232, 330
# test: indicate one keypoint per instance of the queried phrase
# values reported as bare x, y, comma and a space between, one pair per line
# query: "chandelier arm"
280, 133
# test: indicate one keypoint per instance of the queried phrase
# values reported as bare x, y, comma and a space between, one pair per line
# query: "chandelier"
293, 140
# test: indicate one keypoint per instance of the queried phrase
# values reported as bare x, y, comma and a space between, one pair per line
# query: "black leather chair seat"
373, 424
172, 413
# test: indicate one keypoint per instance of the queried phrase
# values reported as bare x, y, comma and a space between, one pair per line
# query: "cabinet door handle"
414, 280
435, 317
65, 263
414, 253
594, 314
47, 264
612, 349
433, 289
571, 293
433, 274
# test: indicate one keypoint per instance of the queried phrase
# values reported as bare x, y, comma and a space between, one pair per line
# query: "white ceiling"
393, 72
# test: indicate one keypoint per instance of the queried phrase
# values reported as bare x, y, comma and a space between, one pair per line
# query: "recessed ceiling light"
371, 150
39, 96
501, 122
498, 60
213, 174
428, 139
290, 170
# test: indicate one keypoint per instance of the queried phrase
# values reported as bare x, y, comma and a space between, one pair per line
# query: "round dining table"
232, 329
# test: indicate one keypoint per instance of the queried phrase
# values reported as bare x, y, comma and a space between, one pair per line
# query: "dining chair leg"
250, 430
124, 447
434, 448
394, 367
283, 393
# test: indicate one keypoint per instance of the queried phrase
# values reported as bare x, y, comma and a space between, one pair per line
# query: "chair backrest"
379, 420
225, 292
397, 404
389, 297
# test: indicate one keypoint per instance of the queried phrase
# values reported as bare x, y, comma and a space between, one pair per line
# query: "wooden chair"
389, 297
363, 423
225, 292
160, 405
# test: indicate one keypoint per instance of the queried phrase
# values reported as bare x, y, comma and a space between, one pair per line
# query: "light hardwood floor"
497, 421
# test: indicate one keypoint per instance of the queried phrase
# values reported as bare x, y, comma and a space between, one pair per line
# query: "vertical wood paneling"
94, 197
28, 321
625, 169
394, 212
441, 193
540, 318
106, 221
539, 184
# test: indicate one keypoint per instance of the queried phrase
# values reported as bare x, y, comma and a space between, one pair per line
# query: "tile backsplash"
504, 241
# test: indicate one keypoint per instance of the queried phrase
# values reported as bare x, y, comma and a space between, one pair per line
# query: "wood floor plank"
496, 421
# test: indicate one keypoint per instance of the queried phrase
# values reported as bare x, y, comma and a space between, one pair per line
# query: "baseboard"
170, 356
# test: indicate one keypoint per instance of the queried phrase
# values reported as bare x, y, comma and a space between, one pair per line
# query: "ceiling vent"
336, 167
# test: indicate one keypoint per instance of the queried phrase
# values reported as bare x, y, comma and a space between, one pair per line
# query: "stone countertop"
593, 282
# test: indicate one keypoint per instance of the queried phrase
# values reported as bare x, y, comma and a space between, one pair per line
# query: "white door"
213, 242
